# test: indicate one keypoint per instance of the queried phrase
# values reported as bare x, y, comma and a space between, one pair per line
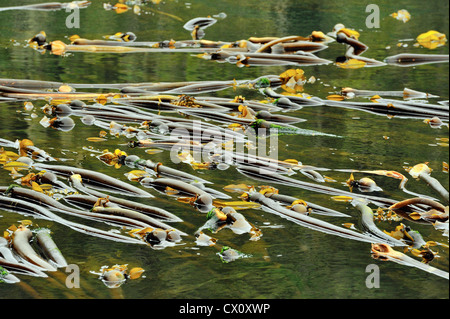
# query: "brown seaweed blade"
317, 209
52, 204
95, 179
146, 209
406, 93
266, 175
391, 108
22, 206
412, 59
385, 253
307, 221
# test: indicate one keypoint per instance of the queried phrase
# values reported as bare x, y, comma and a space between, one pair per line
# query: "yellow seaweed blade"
9, 155
351, 64
15, 165
136, 175
431, 39
74, 37
167, 14
268, 190
6, 235
235, 126
171, 191
299, 201
140, 232
36, 187
59, 101
136, 272
349, 225
237, 205
46, 187
153, 151
96, 139
26, 222
293, 76
291, 161
102, 99
342, 198
237, 188
329, 179
121, 8
335, 97
350, 33
58, 47
375, 98
415, 216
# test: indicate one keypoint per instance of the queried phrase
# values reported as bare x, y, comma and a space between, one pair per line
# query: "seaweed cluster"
205, 132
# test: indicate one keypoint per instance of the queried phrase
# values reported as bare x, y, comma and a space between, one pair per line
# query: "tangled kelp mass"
219, 159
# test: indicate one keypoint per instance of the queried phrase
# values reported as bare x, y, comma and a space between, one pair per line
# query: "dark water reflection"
288, 261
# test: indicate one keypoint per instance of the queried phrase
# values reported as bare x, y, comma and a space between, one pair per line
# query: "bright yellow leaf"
342, 198
401, 15
96, 139
136, 272
431, 39
351, 64
335, 97
121, 8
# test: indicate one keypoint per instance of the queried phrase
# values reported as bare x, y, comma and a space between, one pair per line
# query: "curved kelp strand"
22, 206
95, 179
20, 268
134, 161
149, 221
49, 247
52, 204
6, 277
316, 209
179, 187
392, 109
385, 253
268, 176
369, 226
10, 262
146, 209
21, 244
308, 221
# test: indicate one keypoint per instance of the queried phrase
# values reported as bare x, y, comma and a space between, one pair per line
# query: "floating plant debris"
199, 148
117, 275
401, 15
431, 39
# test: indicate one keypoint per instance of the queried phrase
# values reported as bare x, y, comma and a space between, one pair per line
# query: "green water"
289, 261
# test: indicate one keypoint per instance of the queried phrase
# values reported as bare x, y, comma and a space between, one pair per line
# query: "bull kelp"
171, 150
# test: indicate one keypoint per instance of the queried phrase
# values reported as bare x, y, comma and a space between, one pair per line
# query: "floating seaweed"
385, 253
117, 275
307, 221
413, 59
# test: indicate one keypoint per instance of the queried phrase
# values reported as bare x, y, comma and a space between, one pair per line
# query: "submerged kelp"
150, 153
